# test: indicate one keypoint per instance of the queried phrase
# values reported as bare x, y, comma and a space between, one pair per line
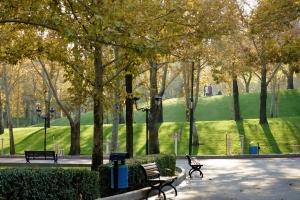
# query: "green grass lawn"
213, 122
274, 137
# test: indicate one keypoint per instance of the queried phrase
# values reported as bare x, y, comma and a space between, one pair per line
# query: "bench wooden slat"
40, 155
155, 181
195, 166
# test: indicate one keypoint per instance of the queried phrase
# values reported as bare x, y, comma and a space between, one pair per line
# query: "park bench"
195, 166
155, 180
40, 155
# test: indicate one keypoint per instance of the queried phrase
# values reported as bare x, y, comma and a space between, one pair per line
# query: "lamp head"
38, 111
51, 112
135, 99
157, 100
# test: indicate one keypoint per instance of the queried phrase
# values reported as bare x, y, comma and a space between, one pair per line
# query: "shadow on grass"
272, 141
293, 138
292, 125
209, 140
35, 139
141, 151
241, 131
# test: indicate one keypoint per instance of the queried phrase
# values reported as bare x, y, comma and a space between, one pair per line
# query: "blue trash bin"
254, 150
122, 176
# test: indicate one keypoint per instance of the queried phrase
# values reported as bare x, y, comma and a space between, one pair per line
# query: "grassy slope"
213, 123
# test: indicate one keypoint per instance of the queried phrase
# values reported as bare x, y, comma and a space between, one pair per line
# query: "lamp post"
191, 110
47, 116
147, 110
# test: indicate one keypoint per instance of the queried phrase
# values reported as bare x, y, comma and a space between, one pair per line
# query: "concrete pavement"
241, 179
260, 177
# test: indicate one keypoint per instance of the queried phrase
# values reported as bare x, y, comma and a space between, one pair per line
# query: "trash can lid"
119, 156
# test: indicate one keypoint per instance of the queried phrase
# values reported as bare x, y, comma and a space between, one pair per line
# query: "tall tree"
137, 27
90, 32
269, 27
8, 110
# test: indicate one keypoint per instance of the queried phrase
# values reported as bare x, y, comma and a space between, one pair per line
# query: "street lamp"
191, 110
47, 116
157, 101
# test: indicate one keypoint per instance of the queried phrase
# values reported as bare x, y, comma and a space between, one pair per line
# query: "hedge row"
48, 183
165, 161
58, 183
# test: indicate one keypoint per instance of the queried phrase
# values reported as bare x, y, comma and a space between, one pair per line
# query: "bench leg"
159, 188
171, 185
55, 158
192, 170
174, 189
159, 191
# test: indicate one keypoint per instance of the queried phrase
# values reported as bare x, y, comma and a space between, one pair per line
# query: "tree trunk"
272, 103
236, 102
277, 102
160, 114
186, 91
97, 156
115, 121
8, 114
115, 129
1, 116
272, 106
129, 115
153, 114
75, 124
290, 78
263, 96
247, 80
231, 110
275, 85
195, 133
75, 134
248, 83
47, 113
17, 107
161, 92
121, 115
116, 110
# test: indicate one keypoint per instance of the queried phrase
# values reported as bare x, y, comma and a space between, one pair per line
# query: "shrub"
165, 161
47, 183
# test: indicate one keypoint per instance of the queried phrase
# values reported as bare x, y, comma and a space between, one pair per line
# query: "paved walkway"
226, 179
241, 179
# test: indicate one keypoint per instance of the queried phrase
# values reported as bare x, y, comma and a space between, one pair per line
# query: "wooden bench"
155, 180
40, 155
195, 166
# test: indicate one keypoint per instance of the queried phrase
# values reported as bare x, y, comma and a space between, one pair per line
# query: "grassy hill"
213, 122
211, 108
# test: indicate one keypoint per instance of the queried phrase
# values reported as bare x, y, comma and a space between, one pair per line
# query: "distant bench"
195, 166
40, 155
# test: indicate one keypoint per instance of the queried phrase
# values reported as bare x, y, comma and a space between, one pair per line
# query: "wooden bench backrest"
40, 153
150, 170
189, 159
